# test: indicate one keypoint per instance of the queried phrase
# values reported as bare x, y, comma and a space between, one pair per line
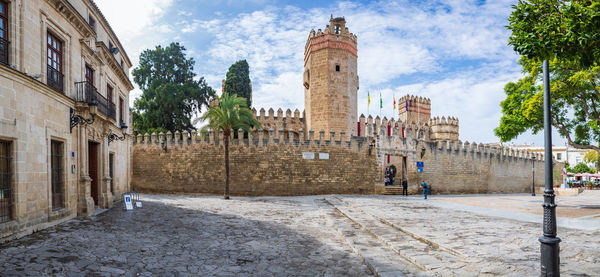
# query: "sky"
454, 52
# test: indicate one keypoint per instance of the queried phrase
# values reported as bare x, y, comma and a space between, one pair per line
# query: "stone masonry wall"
456, 168
273, 167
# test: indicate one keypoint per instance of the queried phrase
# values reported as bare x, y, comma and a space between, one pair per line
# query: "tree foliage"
567, 33
230, 114
237, 81
582, 168
170, 93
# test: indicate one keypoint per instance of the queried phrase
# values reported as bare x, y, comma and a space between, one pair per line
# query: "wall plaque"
323, 156
308, 155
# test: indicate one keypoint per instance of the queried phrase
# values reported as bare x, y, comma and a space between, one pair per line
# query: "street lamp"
423, 152
533, 176
112, 136
550, 262
75, 119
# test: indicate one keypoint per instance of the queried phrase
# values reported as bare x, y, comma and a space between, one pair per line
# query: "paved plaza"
329, 235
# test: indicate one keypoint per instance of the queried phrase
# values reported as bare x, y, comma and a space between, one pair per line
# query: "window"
89, 74
121, 110
109, 93
3, 32
337, 67
56, 165
55, 58
92, 22
336, 29
111, 161
5, 181
558, 156
110, 45
122, 65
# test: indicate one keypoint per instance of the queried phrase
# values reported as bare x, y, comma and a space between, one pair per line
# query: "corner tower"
414, 109
331, 79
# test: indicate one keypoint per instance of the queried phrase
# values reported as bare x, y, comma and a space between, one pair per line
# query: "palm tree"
230, 113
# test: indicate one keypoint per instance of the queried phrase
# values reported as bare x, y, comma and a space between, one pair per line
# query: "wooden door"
93, 169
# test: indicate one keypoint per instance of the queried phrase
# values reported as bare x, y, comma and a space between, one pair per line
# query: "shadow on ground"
164, 240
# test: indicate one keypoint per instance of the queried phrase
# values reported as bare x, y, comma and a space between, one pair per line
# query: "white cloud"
454, 52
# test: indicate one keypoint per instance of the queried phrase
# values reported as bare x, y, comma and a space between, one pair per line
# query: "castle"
328, 148
330, 94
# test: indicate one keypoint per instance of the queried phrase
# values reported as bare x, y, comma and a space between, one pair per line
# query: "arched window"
336, 29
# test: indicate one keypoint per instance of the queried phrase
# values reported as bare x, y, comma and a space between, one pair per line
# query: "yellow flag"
368, 99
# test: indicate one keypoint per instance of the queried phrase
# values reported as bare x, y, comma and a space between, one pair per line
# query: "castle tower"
414, 109
330, 78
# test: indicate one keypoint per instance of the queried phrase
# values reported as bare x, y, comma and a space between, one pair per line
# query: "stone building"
64, 94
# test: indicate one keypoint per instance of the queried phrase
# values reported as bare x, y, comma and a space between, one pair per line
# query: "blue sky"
453, 52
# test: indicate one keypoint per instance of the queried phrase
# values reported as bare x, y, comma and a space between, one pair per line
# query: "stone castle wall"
261, 165
273, 164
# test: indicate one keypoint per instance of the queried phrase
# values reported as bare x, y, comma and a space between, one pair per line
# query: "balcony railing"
87, 93
55, 79
4, 51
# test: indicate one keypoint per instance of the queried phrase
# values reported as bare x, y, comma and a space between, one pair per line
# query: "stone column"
85, 203
105, 196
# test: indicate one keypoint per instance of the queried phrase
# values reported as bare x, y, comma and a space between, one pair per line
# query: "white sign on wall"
308, 155
323, 156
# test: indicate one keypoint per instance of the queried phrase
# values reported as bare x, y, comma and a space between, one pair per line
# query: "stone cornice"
109, 28
72, 15
111, 61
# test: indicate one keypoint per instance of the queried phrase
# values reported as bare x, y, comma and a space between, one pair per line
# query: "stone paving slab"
188, 235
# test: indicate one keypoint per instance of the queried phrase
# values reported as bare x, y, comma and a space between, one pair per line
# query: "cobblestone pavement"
332, 235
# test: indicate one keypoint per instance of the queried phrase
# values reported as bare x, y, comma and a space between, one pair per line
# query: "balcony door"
89, 74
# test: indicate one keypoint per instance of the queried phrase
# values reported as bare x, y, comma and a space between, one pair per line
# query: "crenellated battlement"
259, 138
291, 120
456, 147
444, 128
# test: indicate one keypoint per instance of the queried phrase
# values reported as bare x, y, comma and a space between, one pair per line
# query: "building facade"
64, 94
564, 154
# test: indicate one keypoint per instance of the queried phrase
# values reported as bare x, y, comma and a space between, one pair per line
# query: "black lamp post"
112, 136
533, 176
75, 119
550, 263
423, 152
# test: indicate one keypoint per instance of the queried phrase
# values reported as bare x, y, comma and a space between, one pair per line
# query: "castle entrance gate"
399, 161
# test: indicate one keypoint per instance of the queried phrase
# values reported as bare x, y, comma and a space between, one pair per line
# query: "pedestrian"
404, 187
424, 185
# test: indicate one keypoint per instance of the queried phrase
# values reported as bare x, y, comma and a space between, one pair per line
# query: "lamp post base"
550, 256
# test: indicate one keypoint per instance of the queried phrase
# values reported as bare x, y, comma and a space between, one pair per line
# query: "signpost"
420, 166
127, 202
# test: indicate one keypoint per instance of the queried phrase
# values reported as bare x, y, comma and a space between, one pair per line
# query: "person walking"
424, 185
404, 187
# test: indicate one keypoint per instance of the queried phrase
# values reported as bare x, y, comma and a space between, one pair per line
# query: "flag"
394, 102
380, 101
407, 105
368, 99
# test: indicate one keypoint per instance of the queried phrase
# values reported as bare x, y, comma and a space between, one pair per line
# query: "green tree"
582, 168
231, 113
237, 81
171, 93
567, 33
592, 157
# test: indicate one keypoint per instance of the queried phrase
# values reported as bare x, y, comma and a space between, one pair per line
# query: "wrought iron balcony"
86, 92
55, 79
4, 51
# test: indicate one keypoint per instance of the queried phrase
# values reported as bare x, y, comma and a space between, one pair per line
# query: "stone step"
379, 258
426, 255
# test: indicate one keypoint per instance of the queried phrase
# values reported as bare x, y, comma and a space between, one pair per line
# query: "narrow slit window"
337, 67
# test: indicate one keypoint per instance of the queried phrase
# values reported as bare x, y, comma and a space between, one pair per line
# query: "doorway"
93, 169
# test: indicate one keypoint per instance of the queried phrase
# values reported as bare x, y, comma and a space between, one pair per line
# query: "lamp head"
93, 107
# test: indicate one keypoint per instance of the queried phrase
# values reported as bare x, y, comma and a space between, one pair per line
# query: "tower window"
337, 29
337, 67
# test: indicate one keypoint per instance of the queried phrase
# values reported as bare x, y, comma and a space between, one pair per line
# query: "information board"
127, 201
323, 156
